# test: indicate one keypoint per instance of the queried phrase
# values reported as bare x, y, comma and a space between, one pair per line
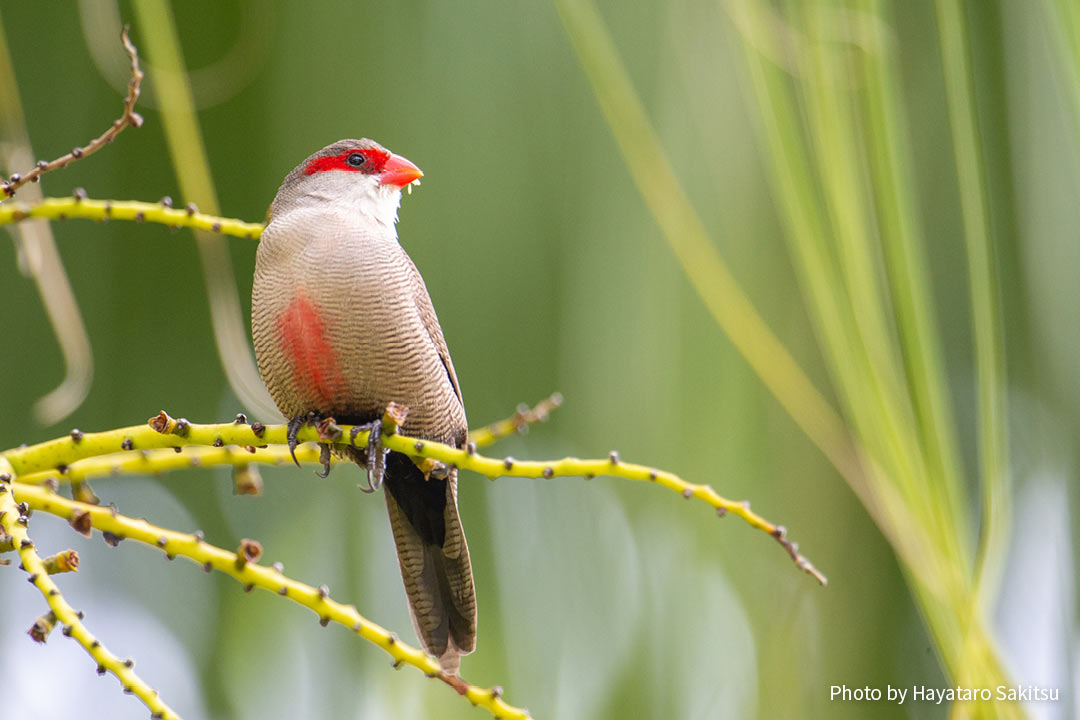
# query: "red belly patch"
315, 371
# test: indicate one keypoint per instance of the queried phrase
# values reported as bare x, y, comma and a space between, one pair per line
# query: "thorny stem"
242, 566
167, 432
13, 522
129, 117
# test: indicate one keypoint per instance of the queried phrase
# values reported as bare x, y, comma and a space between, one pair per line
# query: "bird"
343, 325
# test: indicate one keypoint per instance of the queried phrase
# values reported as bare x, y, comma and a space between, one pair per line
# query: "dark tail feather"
434, 559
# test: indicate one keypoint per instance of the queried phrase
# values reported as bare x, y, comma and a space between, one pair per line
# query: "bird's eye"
355, 159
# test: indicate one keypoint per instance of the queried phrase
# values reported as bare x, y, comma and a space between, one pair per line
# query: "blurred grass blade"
685, 233
821, 173
210, 84
985, 298
808, 233
1063, 21
919, 484
867, 366
40, 259
903, 241
188, 153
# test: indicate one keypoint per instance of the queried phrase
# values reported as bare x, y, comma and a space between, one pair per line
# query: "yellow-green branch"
153, 462
161, 213
13, 523
60, 455
612, 466
163, 460
253, 575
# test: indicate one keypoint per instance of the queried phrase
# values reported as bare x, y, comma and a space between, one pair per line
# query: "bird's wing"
434, 330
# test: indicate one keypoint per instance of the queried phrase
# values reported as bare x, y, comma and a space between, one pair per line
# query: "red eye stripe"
375, 161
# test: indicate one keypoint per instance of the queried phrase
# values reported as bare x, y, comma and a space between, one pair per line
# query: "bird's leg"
292, 429
324, 458
375, 454
376, 460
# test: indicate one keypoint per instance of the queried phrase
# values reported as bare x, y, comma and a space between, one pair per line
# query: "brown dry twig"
130, 117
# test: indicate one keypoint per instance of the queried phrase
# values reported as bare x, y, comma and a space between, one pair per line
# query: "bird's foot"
375, 453
293, 429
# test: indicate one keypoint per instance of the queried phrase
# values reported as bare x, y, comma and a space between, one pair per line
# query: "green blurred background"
597, 599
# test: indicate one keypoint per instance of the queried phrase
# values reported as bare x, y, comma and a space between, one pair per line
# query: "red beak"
399, 172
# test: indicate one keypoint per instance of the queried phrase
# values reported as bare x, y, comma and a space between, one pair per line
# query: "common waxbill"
343, 325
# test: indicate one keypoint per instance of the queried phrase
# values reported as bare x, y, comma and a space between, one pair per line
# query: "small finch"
343, 325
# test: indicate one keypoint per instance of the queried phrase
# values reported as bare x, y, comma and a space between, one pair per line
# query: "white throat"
380, 203
355, 196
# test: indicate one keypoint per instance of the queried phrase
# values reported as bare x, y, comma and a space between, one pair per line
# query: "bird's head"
356, 175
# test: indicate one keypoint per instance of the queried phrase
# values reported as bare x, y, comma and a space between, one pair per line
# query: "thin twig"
516, 424
13, 522
129, 117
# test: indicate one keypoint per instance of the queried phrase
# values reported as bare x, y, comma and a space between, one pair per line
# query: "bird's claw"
375, 454
324, 458
292, 429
